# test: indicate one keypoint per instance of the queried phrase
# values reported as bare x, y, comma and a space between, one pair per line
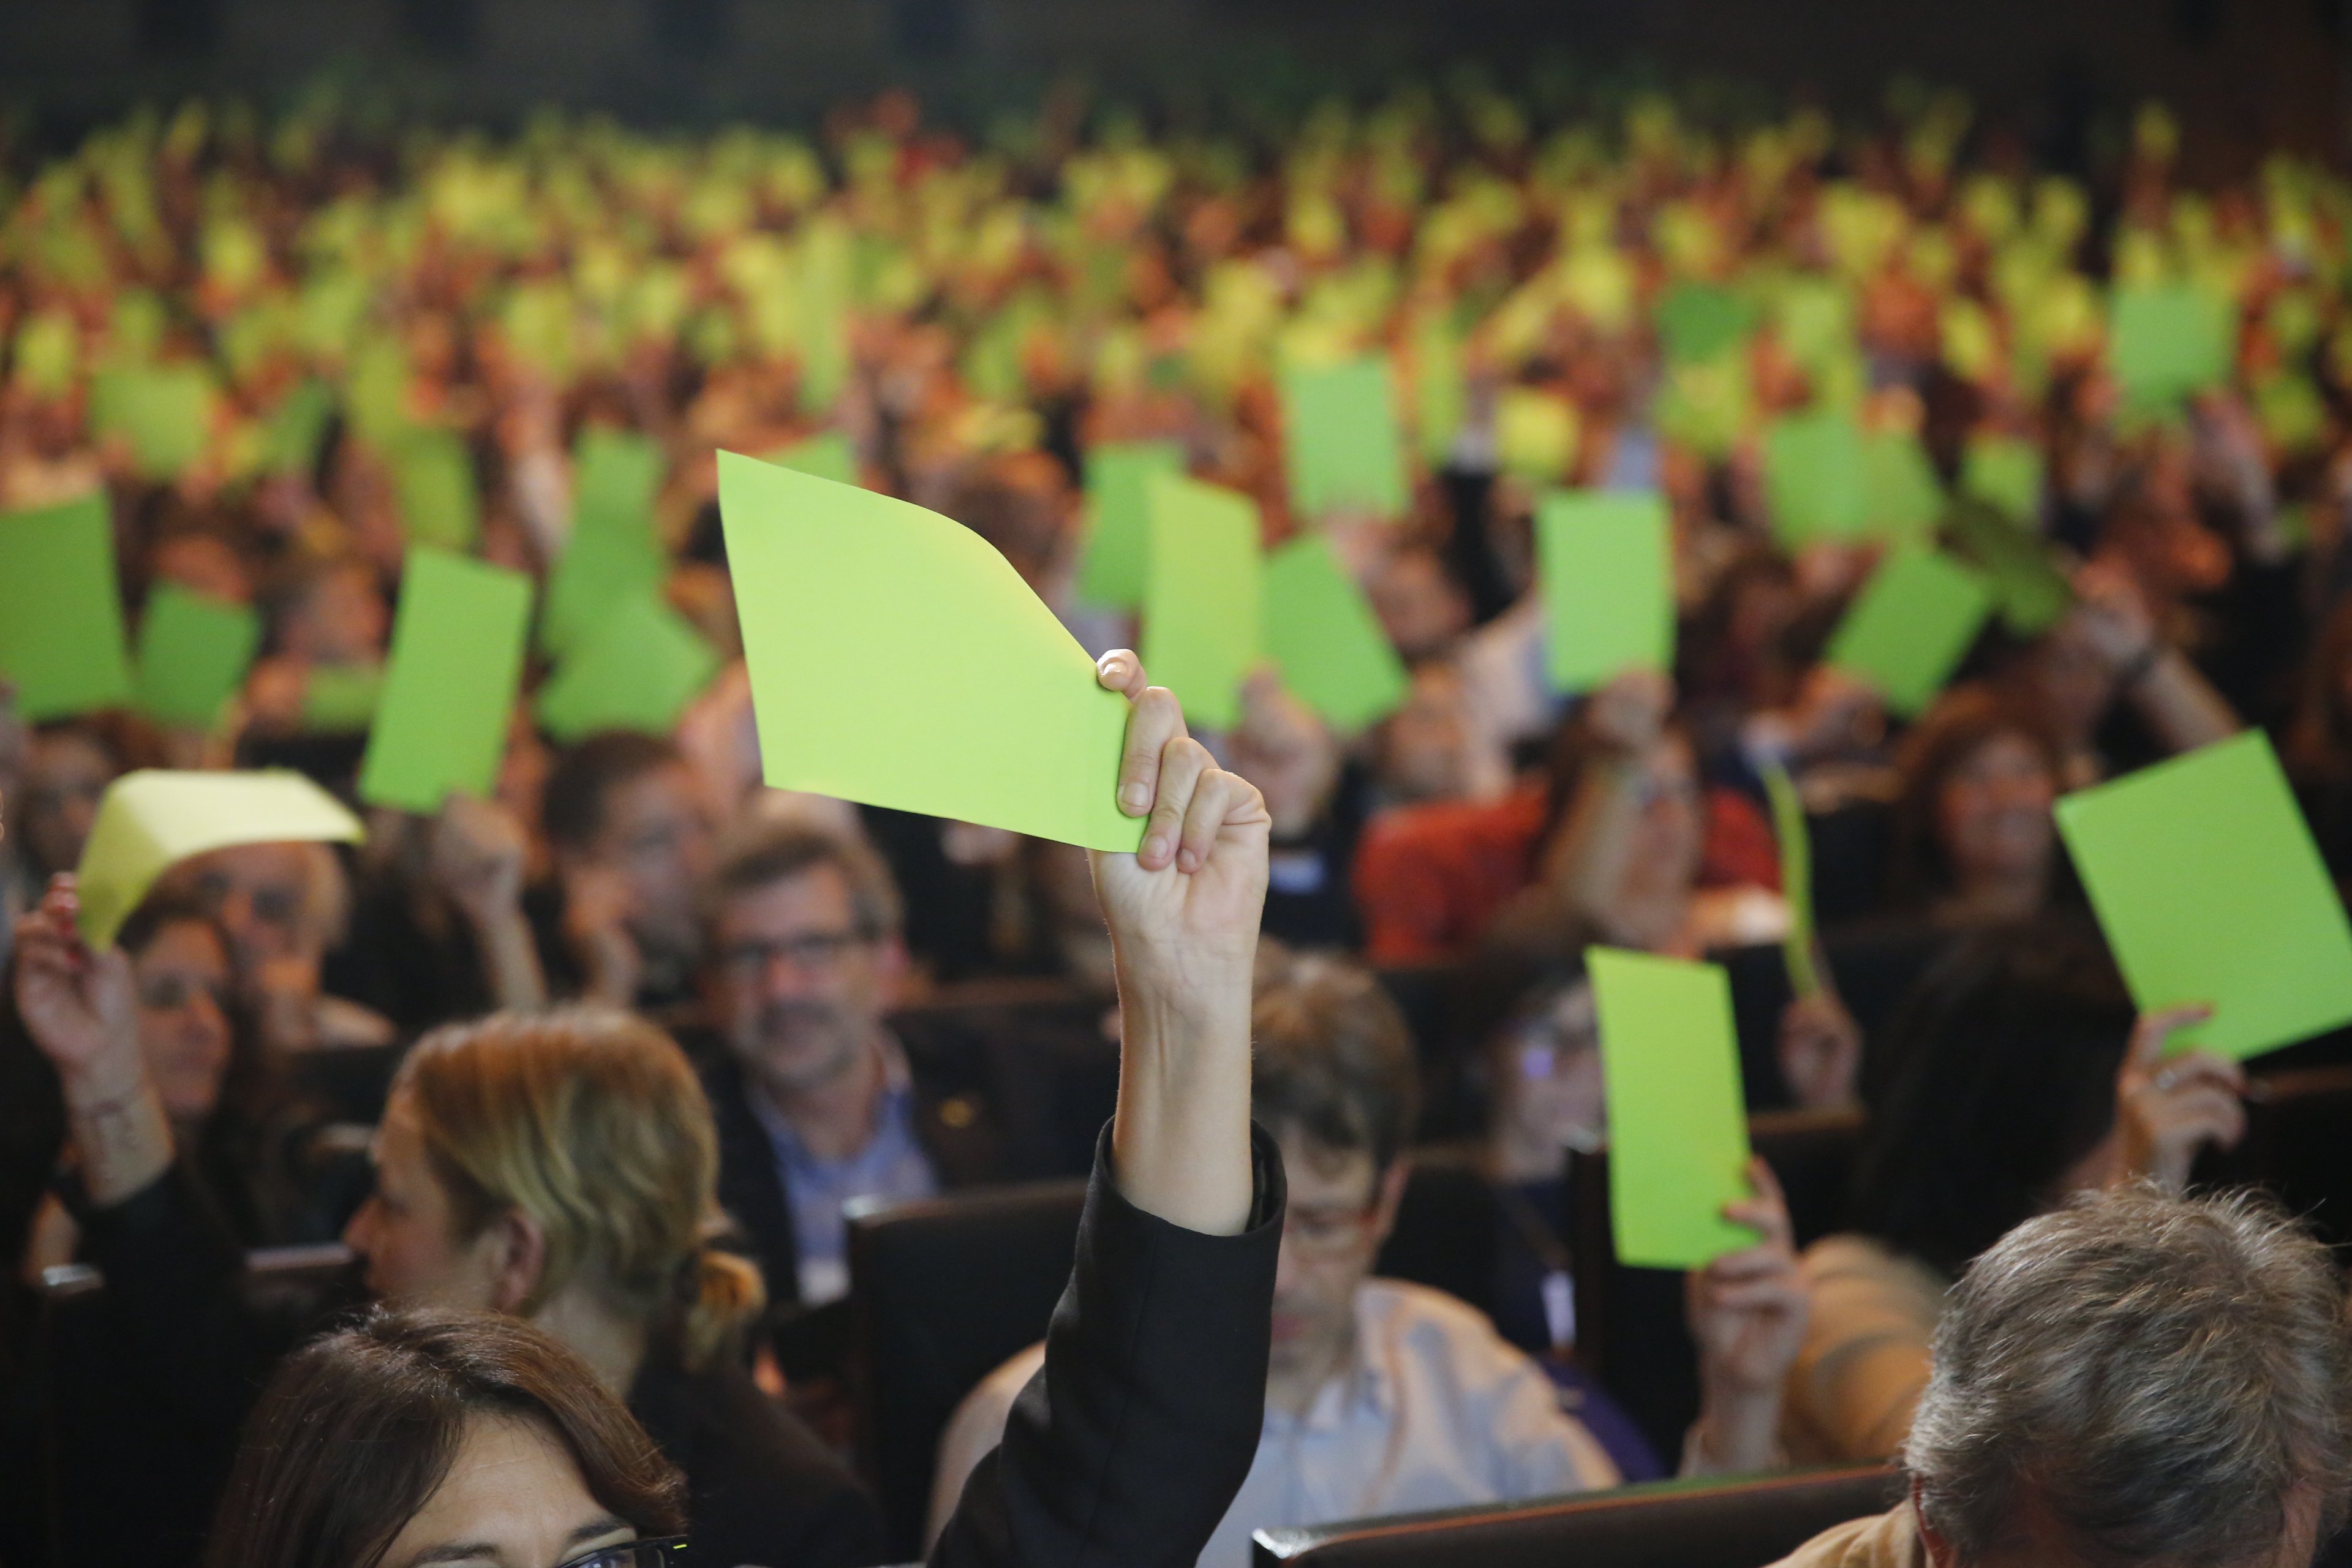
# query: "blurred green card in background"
1202, 598
194, 651
163, 412
2004, 471
1321, 633
2025, 572
1605, 562
1814, 479
449, 687
433, 479
612, 553
153, 817
341, 699
897, 659
1911, 626
1677, 1121
2168, 341
827, 455
1341, 440
636, 668
1902, 497
2210, 888
61, 640
1118, 513
1698, 321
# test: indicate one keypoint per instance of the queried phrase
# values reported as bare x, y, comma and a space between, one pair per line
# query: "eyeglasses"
666, 1553
818, 952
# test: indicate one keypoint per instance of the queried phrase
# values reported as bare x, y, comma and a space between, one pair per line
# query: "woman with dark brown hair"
438, 1438
1974, 840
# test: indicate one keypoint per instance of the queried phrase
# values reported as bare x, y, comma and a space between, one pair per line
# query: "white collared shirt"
1434, 1410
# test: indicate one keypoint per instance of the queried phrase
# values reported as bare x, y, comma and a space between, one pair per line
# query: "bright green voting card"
828, 456
433, 480
163, 413
1605, 561
2208, 888
612, 553
1699, 322
1911, 625
194, 651
61, 640
1321, 633
2004, 471
1341, 440
449, 686
1814, 478
1677, 1124
2025, 572
2167, 341
1119, 512
341, 699
152, 818
1902, 497
1202, 598
897, 659
636, 668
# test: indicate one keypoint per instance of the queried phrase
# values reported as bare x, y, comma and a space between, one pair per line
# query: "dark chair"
1667, 1525
1631, 1331
942, 1292
2296, 1125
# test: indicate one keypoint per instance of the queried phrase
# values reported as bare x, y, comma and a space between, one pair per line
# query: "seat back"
942, 1292
1667, 1525
2294, 1147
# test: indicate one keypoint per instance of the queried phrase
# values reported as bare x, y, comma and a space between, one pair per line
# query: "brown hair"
1963, 720
1333, 1058
2319, 740
571, 807
778, 849
591, 1123
357, 1430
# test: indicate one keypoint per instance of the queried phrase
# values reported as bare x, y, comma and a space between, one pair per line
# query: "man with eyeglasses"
1384, 1396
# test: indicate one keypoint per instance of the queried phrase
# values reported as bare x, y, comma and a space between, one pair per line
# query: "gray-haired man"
2133, 1381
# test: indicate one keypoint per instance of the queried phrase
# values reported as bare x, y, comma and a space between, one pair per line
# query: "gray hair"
2158, 1374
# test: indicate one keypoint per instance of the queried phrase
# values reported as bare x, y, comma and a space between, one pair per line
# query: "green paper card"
1118, 507
612, 553
1677, 1123
341, 699
1534, 434
2029, 582
291, 435
165, 412
2004, 472
61, 640
1911, 625
1202, 598
433, 480
2210, 888
194, 651
1605, 559
1814, 479
1794, 837
637, 668
897, 659
1902, 496
1340, 438
2168, 341
449, 686
1321, 633
828, 456
1698, 321
152, 818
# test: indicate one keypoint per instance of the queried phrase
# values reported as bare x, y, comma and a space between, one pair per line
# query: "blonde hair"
591, 1123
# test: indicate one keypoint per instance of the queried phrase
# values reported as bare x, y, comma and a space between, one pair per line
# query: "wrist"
101, 1087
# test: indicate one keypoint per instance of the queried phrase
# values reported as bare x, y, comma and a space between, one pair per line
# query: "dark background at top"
2243, 74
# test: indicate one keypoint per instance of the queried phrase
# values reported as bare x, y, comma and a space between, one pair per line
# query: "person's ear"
1387, 1198
517, 1260
1938, 1550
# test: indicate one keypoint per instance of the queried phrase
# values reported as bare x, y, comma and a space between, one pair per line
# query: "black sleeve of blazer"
1128, 1449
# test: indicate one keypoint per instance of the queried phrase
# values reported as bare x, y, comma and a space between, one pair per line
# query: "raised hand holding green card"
1911, 626
2210, 888
1118, 519
1323, 637
1677, 1121
898, 660
61, 641
1604, 559
449, 687
193, 652
1341, 440
152, 818
1203, 597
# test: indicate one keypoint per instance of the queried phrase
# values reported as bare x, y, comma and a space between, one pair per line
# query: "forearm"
2180, 705
1179, 1136
120, 1131
1738, 1433
1587, 865
510, 961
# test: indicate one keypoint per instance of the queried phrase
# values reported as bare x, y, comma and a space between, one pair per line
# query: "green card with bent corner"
1605, 562
449, 686
1678, 1120
1202, 598
61, 638
194, 651
2210, 888
1911, 626
897, 659
1323, 637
